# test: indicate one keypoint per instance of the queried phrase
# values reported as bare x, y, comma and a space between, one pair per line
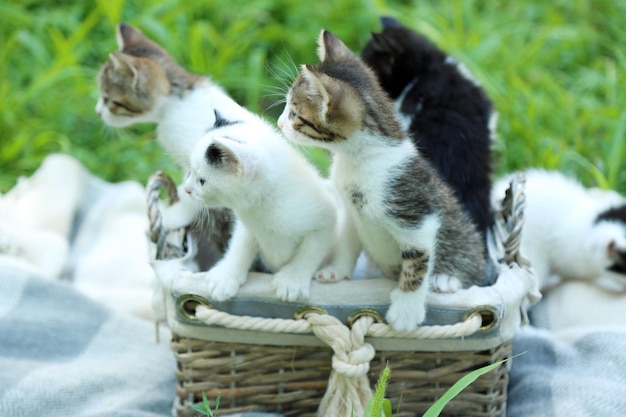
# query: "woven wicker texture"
291, 380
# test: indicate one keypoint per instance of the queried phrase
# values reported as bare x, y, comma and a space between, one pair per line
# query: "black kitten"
446, 112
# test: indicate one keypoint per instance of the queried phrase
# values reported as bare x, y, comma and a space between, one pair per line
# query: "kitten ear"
317, 89
327, 93
220, 155
123, 64
127, 35
389, 22
330, 47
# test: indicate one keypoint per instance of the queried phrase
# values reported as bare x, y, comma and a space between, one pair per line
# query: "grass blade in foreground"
459, 386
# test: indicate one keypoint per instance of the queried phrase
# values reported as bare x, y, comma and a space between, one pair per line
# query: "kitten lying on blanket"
446, 112
285, 212
569, 231
142, 83
397, 207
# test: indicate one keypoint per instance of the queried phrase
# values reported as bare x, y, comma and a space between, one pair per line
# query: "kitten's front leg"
293, 281
225, 278
408, 301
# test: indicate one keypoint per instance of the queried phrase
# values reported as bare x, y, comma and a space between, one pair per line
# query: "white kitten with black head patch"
285, 212
571, 232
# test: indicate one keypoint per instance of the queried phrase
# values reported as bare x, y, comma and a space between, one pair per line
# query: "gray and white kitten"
397, 207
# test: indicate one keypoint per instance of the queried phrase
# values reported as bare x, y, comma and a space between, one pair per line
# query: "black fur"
214, 155
450, 114
220, 121
617, 215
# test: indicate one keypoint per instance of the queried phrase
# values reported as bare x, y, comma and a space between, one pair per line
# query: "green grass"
556, 71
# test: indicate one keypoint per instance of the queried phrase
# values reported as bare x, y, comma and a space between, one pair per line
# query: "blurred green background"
556, 71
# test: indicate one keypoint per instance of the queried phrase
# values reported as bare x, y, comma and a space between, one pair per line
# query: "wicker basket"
262, 355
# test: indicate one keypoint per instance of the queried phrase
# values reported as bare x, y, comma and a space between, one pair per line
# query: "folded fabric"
553, 378
63, 354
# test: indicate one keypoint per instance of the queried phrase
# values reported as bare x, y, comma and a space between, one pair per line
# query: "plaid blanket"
574, 361
76, 331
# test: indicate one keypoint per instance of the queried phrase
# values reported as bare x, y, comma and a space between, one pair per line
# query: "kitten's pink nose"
187, 190
280, 123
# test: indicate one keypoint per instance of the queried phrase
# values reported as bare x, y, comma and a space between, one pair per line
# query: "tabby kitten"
142, 83
397, 208
447, 113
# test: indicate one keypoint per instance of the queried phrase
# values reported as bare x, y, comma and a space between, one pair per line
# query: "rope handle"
158, 182
507, 230
306, 323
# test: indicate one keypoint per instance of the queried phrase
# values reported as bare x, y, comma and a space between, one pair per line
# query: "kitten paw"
289, 288
330, 274
443, 283
407, 310
222, 284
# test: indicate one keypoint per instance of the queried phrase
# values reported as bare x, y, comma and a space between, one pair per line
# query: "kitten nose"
187, 189
280, 123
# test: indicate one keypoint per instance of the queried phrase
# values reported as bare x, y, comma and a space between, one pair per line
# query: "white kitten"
284, 210
570, 231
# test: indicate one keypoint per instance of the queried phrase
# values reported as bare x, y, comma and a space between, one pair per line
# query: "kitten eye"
201, 181
292, 115
124, 106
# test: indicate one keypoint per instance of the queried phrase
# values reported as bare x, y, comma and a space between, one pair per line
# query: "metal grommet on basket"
302, 312
488, 315
357, 314
186, 305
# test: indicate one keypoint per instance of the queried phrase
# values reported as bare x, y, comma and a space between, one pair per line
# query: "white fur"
403, 315
285, 211
559, 236
354, 164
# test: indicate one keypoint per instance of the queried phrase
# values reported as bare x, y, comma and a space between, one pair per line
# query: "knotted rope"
348, 389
